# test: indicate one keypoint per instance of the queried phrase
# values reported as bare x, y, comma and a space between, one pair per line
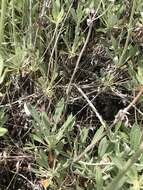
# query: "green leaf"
67, 125
3, 131
98, 135
51, 141
114, 43
42, 159
132, 174
84, 134
135, 137
112, 20
103, 145
57, 12
118, 125
2, 70
58, 111
3, 76
34, 113
55, 9
45, 123
1, 65
78, 188
17, 60
119, 162
99, 179
3, 117
116, 184
139, 75
38, 139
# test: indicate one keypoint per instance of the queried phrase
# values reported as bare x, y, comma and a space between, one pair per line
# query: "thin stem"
134, 100
95, 140
103, 123
13, 25
128, 35
120, 115
30, 21
79, 58
2, 19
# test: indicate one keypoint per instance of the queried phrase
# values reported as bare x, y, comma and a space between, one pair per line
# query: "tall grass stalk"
2, 19
30, 22
13, 24
121, 60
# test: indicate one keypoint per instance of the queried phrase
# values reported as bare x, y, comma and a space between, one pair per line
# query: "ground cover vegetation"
71, 85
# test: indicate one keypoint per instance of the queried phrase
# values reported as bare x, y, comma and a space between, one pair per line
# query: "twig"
32, 184
103, 123
79, 58
134, 100
104, 164
19, 100
92, 144
88, 148
97, 164
121, 114
16, 158
43, 11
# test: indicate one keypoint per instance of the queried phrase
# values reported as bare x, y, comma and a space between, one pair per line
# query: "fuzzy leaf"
98, 135
3, 131
139, 75
135, 137
103, 145
1, 65
38, 139
67, 125
58, 111
99, 179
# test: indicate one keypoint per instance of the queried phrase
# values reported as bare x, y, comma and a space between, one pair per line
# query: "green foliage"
3, 131
57, 12
3, 119
40, 42
3, 71
47, 132
135, 137
139, 75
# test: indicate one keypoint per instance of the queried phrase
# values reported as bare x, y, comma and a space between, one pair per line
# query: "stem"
54, 47
13, 25
79, 58
30, 22
103, 123
134, 100
2, 19
122, 113
89, 147
128, 35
